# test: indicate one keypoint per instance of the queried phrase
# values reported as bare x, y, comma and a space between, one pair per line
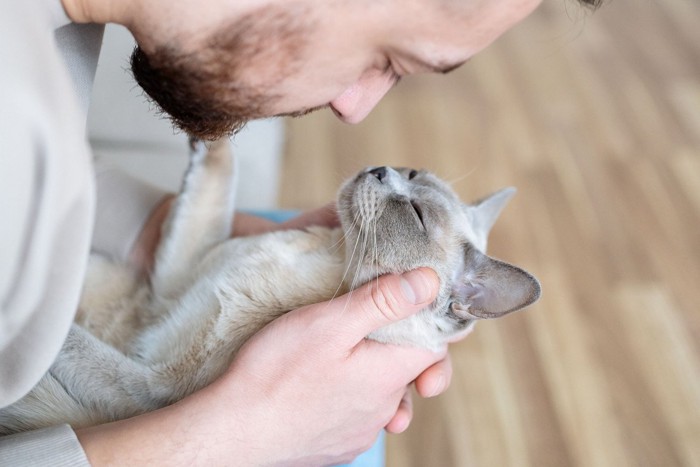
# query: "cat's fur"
139, 345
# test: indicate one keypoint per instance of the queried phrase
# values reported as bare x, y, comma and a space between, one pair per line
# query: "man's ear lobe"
489, 288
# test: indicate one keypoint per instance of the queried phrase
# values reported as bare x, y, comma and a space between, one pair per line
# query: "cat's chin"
459, 335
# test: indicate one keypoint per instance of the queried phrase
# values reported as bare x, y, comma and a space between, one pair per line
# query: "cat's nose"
379, 172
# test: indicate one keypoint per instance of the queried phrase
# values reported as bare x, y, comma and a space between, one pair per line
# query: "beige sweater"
48, 202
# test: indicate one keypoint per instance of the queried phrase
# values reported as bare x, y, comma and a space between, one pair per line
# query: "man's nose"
356, 102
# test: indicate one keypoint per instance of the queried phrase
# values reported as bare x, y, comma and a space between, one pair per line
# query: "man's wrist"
178, 435
143, 251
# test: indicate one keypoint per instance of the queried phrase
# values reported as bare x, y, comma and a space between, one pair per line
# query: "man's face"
291, 56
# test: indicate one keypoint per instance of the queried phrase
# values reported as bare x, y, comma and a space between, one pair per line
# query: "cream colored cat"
140, 345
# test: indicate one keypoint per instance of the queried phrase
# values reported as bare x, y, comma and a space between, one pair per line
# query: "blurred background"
595, 118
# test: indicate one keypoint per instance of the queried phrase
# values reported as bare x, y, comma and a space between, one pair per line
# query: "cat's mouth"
418, 213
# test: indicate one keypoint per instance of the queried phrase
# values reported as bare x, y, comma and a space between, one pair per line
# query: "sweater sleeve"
47, 208
47, 193
56, 446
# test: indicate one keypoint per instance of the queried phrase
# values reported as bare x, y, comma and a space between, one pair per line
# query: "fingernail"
439, 386
416, 287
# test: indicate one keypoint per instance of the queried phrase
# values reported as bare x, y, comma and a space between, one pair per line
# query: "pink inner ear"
500, 290
482, 301
473, 293
487, 288
475, 304
462, 310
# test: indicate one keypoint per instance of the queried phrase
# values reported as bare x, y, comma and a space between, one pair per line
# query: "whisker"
456, 180
352, 256
376, 255
363, 249
363, 254
355, 219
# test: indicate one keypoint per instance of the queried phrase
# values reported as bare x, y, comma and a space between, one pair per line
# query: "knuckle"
384, 301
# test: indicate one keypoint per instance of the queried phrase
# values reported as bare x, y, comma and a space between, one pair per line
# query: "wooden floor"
596, 119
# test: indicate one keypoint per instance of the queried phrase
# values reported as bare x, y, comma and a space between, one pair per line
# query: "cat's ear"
483, 213
489, 288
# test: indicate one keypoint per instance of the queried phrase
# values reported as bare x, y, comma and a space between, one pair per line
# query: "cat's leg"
201, 216
107, 383
90, 382
47, 404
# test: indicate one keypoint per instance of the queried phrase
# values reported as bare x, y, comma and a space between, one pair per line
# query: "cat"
138, 345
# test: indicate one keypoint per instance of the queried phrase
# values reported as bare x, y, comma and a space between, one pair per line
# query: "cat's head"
398, 219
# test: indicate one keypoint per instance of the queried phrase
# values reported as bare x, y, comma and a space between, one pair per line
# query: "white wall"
123, 129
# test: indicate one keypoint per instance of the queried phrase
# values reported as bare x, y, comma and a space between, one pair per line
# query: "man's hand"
308, 389
430, 383
318, 374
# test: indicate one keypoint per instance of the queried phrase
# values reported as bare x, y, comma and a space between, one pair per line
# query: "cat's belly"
113, 303
241, 286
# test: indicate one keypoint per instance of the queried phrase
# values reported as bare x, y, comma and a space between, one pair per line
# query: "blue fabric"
275, 216
372, 458
375, 456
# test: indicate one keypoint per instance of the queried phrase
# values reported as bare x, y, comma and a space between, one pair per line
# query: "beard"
207, 92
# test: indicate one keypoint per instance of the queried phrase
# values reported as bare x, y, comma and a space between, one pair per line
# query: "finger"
325, 216
388, 299
403, 416
400, 365
436, 379
245, 224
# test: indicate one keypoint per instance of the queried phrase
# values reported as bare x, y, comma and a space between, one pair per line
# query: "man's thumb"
389, 299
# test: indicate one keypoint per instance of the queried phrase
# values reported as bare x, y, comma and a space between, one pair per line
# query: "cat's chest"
244, 284
279, 270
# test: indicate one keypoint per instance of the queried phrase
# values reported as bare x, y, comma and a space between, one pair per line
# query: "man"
211, 66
